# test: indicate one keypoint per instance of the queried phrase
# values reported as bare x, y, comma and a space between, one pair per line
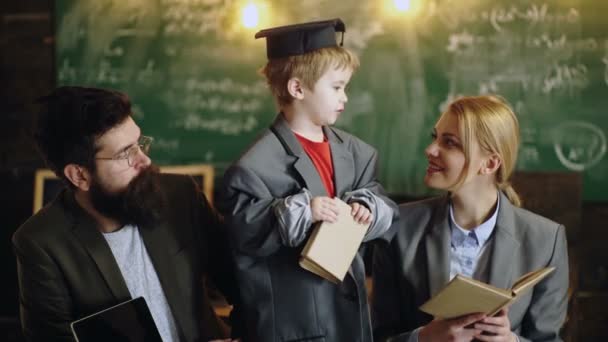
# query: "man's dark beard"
142, 203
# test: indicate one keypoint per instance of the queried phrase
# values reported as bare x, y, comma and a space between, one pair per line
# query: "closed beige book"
463, 295
332, 247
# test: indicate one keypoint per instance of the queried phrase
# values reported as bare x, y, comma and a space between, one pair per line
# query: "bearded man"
119, 230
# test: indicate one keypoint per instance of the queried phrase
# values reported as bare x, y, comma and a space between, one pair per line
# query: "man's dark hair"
71, 119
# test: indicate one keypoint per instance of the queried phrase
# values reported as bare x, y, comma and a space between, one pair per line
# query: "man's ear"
491, 164
78, 175
295, 88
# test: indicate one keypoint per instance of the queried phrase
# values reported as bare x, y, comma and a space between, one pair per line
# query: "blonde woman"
477, 229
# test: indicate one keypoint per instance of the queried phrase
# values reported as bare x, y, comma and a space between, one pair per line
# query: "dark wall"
26, 72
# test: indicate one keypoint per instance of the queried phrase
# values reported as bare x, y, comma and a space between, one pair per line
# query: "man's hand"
497, 328
451, 329
323, 208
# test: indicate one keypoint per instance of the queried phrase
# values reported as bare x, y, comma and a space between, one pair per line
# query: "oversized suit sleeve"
547, 310
44, 299
251, 214
370, 193
386, 302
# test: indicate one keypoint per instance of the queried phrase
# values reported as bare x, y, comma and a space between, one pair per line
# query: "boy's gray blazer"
416, 265
281, 300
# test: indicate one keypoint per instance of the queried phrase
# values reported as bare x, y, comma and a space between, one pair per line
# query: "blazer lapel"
343, 163
161, 247
437, 243
85, 229
505, 246
303, 165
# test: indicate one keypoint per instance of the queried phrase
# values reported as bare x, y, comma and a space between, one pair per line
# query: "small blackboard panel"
47, 185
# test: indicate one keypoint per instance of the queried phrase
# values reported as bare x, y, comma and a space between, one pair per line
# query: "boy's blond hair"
308, 68
491, 121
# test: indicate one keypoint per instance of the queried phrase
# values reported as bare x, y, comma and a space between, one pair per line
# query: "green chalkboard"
191, 70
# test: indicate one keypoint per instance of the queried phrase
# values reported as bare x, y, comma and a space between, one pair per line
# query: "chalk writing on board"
117, 51
225, 85
217, 103
488, 87
223, 96
168, 145
149, 76
558, 73
194, 17
534, 14
227, 126
566, 77
528, 155
500, 16
557, 46
528, 134
579, 145
108, 75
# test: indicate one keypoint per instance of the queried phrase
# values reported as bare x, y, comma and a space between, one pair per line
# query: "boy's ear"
78, 175
295, 88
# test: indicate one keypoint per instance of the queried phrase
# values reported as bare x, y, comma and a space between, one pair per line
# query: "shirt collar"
481, 232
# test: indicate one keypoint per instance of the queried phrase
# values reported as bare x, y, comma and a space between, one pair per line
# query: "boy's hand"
323, 209
360, 213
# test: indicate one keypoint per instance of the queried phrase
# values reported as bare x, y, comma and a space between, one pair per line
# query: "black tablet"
129, 321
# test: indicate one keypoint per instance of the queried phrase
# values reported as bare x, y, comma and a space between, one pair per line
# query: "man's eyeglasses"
129, 154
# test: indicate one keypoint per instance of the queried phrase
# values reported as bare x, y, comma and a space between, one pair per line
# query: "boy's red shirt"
320, 154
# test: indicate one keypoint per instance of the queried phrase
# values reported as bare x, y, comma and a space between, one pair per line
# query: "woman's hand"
456, 329
496, 329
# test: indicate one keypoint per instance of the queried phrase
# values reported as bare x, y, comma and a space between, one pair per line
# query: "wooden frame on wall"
47, 185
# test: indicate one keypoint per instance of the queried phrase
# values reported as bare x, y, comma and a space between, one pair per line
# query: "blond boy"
287, 181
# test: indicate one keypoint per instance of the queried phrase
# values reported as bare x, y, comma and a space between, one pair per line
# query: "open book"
332, 247
463, 295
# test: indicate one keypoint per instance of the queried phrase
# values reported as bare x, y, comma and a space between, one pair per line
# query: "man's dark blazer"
417, 265
66, 269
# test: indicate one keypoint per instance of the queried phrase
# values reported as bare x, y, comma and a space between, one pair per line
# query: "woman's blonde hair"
490, 120
308, 68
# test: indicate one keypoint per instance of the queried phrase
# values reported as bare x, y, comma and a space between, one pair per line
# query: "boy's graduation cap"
298, 39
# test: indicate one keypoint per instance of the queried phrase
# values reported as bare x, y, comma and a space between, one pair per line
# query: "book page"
530, 279
463, 295
313, 267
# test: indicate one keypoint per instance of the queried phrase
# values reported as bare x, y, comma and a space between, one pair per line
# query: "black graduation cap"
298, 39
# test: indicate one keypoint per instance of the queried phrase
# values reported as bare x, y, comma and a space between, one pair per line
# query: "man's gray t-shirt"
141, 278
